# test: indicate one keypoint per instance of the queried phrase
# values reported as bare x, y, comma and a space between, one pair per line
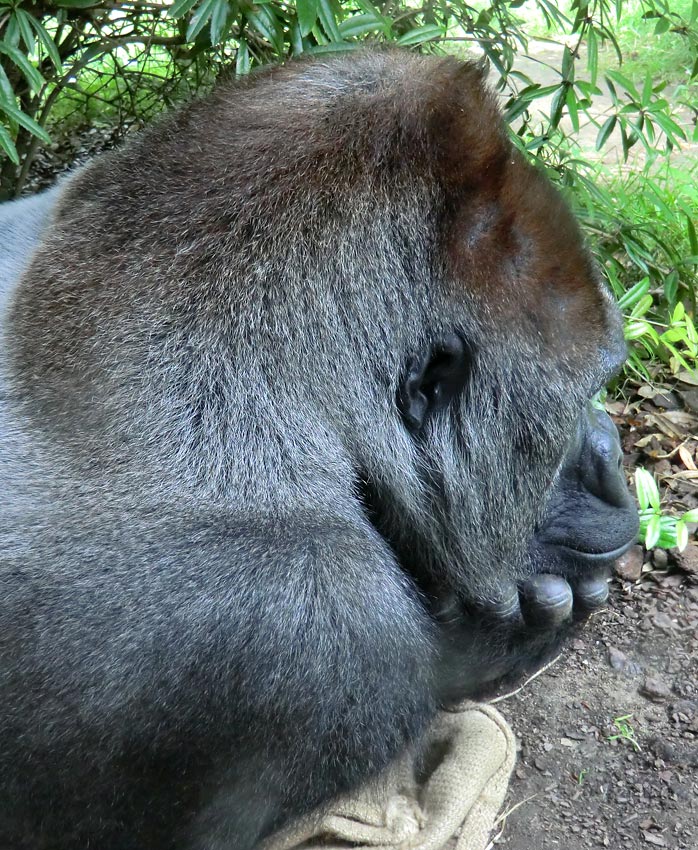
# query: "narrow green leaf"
219, 16
242, 58
605, 131
181, 7
572, 109
307, 12
360, 25
592, 55
558, 105
25, 29
646, 489
625, 83
8, 145
267, 24
567, 65
690, 516
6, 90
653, 532
691, 233
33, 76
11, 34
681, 535
77, 4
642, 306
634, 294
420, 35
200, 18
11, 110
328, 20
647, 90
48, 43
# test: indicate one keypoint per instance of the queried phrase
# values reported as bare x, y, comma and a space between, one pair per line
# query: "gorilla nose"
601, 463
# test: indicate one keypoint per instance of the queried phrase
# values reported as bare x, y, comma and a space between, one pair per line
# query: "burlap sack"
470, 753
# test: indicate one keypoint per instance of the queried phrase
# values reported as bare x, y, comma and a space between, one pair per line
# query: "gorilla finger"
504, 605
590, 594
546, 601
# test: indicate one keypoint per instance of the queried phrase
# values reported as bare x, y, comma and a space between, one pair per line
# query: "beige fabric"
470, 753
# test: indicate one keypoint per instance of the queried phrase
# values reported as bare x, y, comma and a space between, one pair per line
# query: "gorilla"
296, 446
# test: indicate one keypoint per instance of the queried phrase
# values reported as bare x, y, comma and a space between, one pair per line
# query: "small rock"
663, 621
667, 399
662, 467
654, 838
660, 559
620, 662
687, 561
655, 689
690, 400
629, 566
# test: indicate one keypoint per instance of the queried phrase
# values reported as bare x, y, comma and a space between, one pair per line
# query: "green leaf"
558, 105
25, 28
567, 65
181, 7
242, 58
653, 532
572, 109
592, 56
48, 43
328, 20
605, 131
77, 4
691, 232
420, 35
646, 489
360, 25
33, 76
625, 83
6, 90
634, 294
8, 145
267, 24
662, 25
11, 110
642, 306
678, 314
681, 535
219, 16
307, 12
200, 18
690, 516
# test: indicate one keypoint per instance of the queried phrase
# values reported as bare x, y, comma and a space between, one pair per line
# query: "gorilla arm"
208, 676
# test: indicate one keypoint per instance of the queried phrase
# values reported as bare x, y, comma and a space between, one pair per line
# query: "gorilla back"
295, 447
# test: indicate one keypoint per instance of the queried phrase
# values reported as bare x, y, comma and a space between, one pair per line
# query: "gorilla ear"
433, 380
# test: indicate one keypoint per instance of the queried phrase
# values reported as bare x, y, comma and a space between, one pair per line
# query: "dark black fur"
293, 448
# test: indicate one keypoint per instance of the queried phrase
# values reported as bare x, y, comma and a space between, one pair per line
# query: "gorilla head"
297, 439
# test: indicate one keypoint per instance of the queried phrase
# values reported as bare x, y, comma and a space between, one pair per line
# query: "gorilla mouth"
597, 557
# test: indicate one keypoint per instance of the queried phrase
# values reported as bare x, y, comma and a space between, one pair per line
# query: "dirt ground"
583, 780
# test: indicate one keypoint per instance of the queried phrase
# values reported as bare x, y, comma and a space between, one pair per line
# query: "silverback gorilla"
296, 445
